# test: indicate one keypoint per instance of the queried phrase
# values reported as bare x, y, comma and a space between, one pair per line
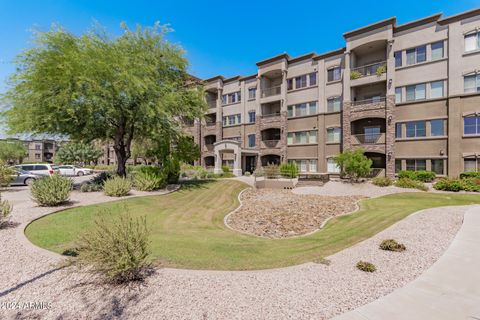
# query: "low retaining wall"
275, 184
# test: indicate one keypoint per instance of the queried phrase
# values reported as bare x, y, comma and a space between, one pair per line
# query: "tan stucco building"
408, 94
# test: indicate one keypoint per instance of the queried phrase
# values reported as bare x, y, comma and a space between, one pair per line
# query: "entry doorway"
250, 163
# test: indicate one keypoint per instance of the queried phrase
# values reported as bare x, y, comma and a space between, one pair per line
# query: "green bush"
117, 187
421, 175
171, 169
116, 247
271, 171
392, 245
354, 164
447, 184
225, 168
382, 181
355, 74
90, 187
366, 266
149, 180
5, 210
247, 173
289, 170
51, 191
465, 175
100, 178
381, 70
471, 184
409, 183
6, 175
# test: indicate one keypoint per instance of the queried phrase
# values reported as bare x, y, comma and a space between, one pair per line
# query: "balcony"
210, 124
369, 73
371, 101
208, 148
272, 91
369, 138
269, 144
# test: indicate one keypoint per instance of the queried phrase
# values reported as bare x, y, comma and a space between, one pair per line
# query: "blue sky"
220, 37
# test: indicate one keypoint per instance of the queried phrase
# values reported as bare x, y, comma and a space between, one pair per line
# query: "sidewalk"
450, 289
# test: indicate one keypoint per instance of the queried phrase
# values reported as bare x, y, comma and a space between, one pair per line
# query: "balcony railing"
270, 143
212, 104
369, 138
209, 147
377, 68
369, 101
270, 115
210, 124
272, 91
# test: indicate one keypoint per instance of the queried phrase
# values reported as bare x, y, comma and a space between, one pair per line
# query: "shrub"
465, 175
289, 170
355, 74
421, 175
149, 181
117, 247
100, 178
406, 174
90, 187
392, 245
51, 191
409, 183
381, 70
225, 168
226, 175
5, 209
354, 163
382, 181
471, 184
271, 171
447, 184
247, 173
5, 175
117, 187
171, 170
366, 266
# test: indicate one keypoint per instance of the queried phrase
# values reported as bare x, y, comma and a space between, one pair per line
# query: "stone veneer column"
390, 136
283, 136
346, 130
198, 140
219, 125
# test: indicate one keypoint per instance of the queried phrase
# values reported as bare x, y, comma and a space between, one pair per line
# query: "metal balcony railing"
270, 143
369, 101
369, 138
272, 91
377, 68
270, 115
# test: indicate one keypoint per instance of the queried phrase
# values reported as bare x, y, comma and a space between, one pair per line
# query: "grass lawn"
188, 230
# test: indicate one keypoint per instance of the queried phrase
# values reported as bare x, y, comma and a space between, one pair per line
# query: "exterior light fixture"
389, 119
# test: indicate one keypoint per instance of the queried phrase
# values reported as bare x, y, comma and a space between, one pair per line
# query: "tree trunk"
122, 147
121, 160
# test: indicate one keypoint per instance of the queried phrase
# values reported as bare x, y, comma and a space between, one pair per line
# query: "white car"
42, 169
69, 170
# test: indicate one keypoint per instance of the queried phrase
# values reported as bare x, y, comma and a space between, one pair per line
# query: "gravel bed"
275, 213
308, 291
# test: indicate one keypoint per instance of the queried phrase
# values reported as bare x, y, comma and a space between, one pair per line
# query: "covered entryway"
378, 163
270, 159
235, 151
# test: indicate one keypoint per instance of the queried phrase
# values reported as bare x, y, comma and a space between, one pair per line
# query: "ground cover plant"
51, 191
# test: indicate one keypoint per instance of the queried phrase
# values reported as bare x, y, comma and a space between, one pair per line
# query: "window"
436, 89
472, 41
415, 92
437, 50
398, 59
290, 111
471, 83
416, 164
233, 97
251, 116
415, 129
252, 93
398, 130
224, 121
333, 135
239, 118
437, 166
470, 165
312, 166
334, 104
300, 82
471, 125
302, 109
251, 140
312, 78
232, 119
398, 165
398, 95
38, 147
312, 108
289, 84
334, 74
37, 155
416, 55
302, 137
332, 166
437, 128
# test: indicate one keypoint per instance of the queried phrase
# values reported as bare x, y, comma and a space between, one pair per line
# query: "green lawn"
188, 230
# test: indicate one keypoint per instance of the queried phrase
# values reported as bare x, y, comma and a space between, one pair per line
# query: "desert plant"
392, 245
102, 177
149, 181
354, 163
381, 70
421, 175
117, 187
90, 187
5, 210
355, 74
6, 175
116, 247
472, 174
271, 171
247, 173
471, 184
409, 183
51, 191
289, 170
366, 266
455, 185
382, 181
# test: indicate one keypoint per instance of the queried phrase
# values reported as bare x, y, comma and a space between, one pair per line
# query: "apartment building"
408, 94
38, 149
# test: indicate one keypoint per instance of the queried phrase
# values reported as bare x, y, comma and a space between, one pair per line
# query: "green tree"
354, 163
77, 153
12, 151
95, 86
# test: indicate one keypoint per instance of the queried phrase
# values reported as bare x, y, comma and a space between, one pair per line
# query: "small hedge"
412, 184
465, 175
5, 209
271, 171
421, 175
51, 191
117, 187
366, 266
289, 170
382, 181
455, 185
392, 245
149, 178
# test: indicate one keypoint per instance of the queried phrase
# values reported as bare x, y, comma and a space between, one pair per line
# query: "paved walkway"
450, 289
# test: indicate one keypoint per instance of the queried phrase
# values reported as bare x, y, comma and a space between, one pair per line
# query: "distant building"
38, 149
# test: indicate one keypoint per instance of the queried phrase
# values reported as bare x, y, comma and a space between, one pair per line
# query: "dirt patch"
281, 214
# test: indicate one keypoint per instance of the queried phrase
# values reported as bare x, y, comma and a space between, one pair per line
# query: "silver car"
23, 178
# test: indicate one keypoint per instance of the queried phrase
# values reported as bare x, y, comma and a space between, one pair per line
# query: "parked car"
22, 177
43, 169
69, 170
